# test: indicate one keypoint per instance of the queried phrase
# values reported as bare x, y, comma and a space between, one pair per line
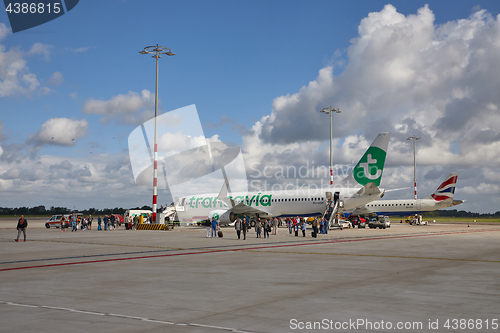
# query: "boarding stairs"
169, 214
332, 208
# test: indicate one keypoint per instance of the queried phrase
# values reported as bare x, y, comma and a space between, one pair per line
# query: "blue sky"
245, 64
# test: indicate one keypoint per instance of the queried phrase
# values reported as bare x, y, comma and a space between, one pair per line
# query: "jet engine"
223, 216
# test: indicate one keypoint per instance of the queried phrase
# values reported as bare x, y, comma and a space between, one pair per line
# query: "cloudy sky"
72, 90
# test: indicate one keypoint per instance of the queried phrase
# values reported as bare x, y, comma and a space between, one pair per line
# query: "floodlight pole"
414, 138
156, 51
330, 111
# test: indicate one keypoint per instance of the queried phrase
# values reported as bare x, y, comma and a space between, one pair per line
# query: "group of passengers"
77, 222
266, 227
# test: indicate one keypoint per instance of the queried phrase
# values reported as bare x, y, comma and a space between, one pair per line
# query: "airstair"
169, 214
332, 207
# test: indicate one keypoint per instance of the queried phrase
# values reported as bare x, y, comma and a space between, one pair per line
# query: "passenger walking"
237, 227
73, 223
106, 221
22, 224
266, 228
327, 226
112, 219
289, 224
215, 223
208, 224
63, 223
322, 225
275, 226
99, 222
89, 225
303, 227
244, 227
315, 226
258, 228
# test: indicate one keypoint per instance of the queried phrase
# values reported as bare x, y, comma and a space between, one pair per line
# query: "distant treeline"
460, 213
41, 210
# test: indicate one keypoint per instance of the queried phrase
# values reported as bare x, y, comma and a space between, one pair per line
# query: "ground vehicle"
55, 220
357, 220
341, 224
417, 220
380, 222
136, 212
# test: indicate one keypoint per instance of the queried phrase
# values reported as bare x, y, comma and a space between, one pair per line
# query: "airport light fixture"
414, 138
156, 51
330, 111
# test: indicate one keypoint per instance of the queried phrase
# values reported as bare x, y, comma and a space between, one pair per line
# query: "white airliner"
441, 198
357, 189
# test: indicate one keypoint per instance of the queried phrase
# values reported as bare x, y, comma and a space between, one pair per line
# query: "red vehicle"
357, 220
118, 219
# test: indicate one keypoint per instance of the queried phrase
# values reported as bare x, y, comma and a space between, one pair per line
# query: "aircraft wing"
241, 208
361, 211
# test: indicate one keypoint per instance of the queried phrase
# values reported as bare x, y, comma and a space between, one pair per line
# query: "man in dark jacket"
237, 227
244, 228
22, 224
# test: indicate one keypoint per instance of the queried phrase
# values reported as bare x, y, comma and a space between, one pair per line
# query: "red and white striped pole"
155, 154
156, 50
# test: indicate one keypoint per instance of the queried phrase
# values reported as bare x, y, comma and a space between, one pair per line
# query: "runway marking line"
229, 329
243, 249
374, 255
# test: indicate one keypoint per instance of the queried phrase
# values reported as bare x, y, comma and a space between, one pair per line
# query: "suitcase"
296, 233
313, 234
99, 227
219, 233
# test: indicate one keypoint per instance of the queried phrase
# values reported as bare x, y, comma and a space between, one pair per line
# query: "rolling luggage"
99, 227
313, 234
219, 233
296, 233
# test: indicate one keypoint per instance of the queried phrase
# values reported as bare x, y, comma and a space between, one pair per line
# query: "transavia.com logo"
26, 14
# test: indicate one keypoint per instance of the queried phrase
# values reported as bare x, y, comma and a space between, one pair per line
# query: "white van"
55, 220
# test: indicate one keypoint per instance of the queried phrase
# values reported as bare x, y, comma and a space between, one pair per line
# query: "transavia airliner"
357, 189
442, 198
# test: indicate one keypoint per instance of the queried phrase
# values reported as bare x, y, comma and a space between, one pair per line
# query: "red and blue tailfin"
447, 188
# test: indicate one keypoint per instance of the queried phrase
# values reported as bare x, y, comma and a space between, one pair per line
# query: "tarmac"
435, 278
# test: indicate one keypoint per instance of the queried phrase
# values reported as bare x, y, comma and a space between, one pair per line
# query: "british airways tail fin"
447, 188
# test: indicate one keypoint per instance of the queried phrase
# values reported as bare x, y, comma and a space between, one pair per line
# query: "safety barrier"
145, 226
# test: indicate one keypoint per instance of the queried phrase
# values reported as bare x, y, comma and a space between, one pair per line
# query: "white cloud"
56, 79
483, 188
15, 76
68, 181
133, 108
60, 131
408, 76
40, 49
4, 31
